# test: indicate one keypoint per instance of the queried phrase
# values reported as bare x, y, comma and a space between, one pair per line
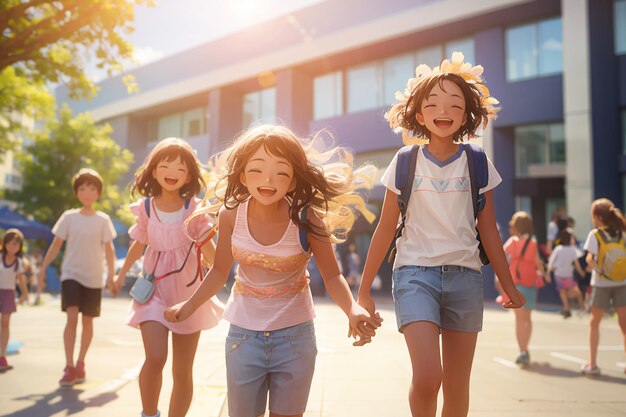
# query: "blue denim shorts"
279, 363
449, 296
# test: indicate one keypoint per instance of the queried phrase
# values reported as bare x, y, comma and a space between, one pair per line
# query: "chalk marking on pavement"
505, 362
556, 347
127, 376
621, 365
569, 358
121, 342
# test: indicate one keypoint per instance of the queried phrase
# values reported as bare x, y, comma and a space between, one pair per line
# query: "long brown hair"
325, 181
610, 216
405, 114
169, 149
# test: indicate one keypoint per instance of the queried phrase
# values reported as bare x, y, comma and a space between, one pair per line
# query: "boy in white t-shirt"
89, 235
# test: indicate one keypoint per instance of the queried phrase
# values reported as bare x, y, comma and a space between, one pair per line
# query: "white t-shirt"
440, 228
553, 231
84, 251
562, 260
169, 216
8, 274
591, 245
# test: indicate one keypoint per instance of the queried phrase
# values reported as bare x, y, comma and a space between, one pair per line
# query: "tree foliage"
66, 145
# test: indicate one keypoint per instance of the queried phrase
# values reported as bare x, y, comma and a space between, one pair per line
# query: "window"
624, 132
364, 87
431, 56
534, 50
396, 71
328, 95
259, 106
619, 14
540, 150
192, 122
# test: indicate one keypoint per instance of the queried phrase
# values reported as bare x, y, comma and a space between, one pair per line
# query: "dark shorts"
7, 301
86, 299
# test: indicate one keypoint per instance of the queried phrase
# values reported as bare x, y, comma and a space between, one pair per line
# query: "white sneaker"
589, 370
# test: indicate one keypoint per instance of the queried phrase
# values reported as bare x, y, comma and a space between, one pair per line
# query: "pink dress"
170, 240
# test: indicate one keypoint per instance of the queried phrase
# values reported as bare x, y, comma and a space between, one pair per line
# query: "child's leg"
575, 292
85, 337
154, 337
422, 339
69, 334
621, 319
457, 350
183, 350
564, 299
594, 334
4, 333
523, 327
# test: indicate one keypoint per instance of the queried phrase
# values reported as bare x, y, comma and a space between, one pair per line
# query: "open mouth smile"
170, 180
266, 191
443, 123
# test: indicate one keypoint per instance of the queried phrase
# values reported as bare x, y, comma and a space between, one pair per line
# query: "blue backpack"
479, 178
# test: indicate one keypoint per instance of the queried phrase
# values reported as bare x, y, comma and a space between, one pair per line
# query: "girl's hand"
362, 324
516, 299
118, 283
178, 312
367, 302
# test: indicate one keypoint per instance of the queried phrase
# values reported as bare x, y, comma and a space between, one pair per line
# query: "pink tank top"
271, 288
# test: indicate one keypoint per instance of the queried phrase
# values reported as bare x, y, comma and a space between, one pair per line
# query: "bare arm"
493, 247
379, 246
208, 254
109, 253
134, 252
51, 254
21, 279
216, 277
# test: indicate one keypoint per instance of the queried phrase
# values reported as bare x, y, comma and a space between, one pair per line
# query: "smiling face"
171, 175
443, 111
14, 245
268, 177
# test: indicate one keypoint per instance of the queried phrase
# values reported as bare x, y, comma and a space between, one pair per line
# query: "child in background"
354, 263
610, 225
525, 264
279, 199
582, 275
437, 283
169, 179
11, 273
561, 262
89, 234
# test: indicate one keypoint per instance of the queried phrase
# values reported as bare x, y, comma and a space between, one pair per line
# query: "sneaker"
523, 359
4, 365
590, 370
566, 314
69, 377
80, 372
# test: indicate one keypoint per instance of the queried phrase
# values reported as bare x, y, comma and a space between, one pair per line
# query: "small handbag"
143, 289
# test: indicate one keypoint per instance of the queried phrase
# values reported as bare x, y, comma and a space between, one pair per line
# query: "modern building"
557, 66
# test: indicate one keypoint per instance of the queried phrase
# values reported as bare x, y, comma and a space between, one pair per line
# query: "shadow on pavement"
545, 368
61, 399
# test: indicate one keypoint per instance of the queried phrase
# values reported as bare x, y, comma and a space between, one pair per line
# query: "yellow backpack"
611, 256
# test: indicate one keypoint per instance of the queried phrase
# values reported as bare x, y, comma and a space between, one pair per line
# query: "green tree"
58, 151
51, 42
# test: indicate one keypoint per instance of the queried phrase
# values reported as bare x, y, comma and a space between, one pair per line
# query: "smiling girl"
275, 188
170, 179
437, 283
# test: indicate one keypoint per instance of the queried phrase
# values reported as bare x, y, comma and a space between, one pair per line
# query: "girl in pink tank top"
169, 180
276, 187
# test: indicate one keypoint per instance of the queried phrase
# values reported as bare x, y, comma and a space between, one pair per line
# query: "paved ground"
369, 382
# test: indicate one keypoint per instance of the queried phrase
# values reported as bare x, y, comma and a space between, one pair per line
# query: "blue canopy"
30, 228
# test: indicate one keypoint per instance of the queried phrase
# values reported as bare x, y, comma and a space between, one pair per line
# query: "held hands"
115, 283
178, 312
363, 323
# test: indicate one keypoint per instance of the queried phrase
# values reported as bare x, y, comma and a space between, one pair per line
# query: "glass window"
522, 203
465, 45
169, 126
534, 50
364, 88
396, 71
194, 122
550, 37
538, 145
521, 53
530, 147
259, 106
619, 13
430, 56
328, 96
624, 132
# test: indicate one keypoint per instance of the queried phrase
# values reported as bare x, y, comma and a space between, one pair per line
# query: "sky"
172, 26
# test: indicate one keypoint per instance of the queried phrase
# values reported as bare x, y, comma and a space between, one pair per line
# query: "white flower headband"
471, 74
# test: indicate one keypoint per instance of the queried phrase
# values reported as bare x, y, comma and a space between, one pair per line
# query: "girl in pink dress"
170, 179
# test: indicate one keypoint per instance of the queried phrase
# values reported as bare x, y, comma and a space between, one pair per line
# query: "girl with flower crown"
169, 180
274, 190
437, 283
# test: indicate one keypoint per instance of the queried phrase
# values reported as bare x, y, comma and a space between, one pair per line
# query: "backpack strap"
146, 204
302, 234
479, 174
